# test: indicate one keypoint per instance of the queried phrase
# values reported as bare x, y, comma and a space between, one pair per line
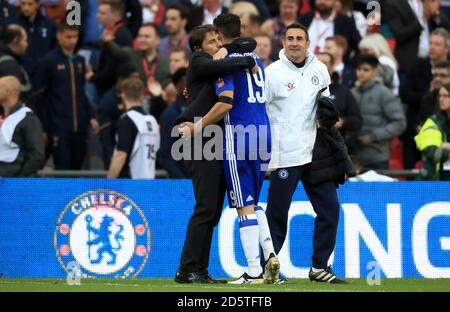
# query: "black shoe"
195, 277
211, 280
325, 276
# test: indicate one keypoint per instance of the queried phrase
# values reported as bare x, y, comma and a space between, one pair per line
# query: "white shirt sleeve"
268, 92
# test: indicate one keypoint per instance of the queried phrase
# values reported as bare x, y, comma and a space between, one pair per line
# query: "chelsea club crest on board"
105, 233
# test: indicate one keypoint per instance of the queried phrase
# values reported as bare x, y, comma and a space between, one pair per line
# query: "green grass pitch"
168, 285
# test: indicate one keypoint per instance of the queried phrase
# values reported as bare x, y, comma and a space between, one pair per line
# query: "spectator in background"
430, 102
240, 8
178, 58
350, 119
346, 7
13, 46
110, 15
416, 85
205, 14
62, 104
263, 48
325, 22
175, 169
337, 46
261, 8
411, 23
110, 109
21, 139
175, 21
41, 32
382, 114
153, 11
155, 66
250, 25
275, 26
138, 137
375, 44
7, 13
433, 141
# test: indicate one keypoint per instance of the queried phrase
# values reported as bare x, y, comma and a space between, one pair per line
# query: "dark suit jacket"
406, 29
196, 17
343, 25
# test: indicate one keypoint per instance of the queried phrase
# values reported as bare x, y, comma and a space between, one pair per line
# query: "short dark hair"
329, 55
64, 26
198, 34
229, 25
254, 19
184, 12
115, 5
12, 32
367, 59
154, 26
297, 26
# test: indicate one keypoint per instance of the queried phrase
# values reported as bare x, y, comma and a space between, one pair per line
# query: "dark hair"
329, 55
254, 19
154, 26
184, 12
443, 64
229, 25
64, 26
198, 34
12, 32
297, 26
115, 5
180, 73
367, 59
184, 50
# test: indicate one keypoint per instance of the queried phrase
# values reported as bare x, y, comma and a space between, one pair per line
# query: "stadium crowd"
390, 74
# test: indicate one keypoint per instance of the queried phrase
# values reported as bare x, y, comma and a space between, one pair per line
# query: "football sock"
265, 240
249, 232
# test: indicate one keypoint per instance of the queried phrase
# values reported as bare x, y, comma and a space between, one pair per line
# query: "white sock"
249, 230
265, 240
316, 270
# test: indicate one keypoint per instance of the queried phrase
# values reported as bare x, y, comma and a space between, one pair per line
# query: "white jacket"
291, 98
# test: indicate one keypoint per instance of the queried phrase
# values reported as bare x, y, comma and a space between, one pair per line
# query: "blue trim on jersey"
248, 223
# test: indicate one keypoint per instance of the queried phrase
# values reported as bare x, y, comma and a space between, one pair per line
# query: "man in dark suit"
407, 22
205, 13
325, 22
207, 175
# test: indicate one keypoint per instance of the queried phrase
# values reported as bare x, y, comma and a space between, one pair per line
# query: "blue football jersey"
249, 103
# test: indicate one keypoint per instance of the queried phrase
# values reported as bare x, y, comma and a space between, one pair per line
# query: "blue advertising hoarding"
125, 228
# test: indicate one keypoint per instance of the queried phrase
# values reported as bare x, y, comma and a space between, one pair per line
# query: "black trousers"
324, 200
69, 150
209, 191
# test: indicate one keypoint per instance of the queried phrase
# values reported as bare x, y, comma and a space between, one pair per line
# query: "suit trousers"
323, 197
209, 191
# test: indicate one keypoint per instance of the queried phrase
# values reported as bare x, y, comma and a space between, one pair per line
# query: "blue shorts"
244, 179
